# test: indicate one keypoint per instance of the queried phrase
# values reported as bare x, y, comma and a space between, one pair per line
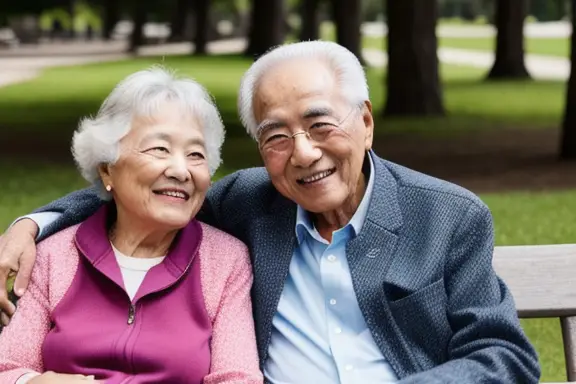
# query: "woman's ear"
105, 174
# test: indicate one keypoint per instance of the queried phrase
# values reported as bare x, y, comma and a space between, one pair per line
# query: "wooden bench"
543, 282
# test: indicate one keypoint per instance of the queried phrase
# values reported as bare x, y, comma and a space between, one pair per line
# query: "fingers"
6, 269
5, 319
18, 242
27, 260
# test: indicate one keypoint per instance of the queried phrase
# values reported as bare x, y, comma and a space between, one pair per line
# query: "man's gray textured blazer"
421, 268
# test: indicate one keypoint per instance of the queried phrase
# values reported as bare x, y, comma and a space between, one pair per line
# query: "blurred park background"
477, 92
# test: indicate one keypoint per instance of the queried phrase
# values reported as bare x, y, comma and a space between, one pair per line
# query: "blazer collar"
384, 209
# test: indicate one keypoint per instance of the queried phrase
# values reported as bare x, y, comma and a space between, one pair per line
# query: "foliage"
84, 16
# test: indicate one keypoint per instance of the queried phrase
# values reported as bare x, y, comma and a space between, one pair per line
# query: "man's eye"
322, 125
275, 138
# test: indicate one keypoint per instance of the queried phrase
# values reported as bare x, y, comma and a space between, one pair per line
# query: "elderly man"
364, 271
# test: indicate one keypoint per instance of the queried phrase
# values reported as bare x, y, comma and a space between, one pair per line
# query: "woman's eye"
159, 149
196, 155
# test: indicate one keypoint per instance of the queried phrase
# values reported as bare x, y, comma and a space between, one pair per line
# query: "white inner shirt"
134, 270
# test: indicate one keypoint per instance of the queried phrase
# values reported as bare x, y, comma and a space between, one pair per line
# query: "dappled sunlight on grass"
475, 104
52, 104
555, 47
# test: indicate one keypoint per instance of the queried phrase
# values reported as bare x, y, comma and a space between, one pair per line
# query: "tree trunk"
202, 17
72, 12
568, 144
348, 19
139, 16
412, 81
509, 61
266, 27
179, 17
310, 22
111, 17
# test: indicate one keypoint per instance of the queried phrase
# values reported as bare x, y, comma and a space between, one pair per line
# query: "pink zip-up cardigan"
190, 321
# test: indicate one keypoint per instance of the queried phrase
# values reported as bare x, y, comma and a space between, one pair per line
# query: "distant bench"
542, 279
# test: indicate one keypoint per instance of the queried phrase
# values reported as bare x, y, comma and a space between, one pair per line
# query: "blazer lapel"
273, 247
370, 256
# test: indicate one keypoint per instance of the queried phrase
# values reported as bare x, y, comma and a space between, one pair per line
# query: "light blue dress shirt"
319, 335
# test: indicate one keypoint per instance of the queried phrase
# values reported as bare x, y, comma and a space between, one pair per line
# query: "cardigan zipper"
131, 314
132, 308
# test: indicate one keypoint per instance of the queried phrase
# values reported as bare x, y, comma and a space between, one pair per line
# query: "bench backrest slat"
542, 278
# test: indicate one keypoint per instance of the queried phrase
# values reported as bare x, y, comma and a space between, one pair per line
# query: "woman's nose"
177, 169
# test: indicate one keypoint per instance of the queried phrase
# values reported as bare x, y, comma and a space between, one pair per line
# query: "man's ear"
368, 120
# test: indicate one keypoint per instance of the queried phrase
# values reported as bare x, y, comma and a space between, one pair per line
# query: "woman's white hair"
142, 94
345, 65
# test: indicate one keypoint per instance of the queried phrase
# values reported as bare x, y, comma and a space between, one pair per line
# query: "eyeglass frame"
357, 107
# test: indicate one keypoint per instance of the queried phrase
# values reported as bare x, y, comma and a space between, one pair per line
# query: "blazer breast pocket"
423, 321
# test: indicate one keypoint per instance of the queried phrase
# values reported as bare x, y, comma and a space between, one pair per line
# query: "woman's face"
161, 177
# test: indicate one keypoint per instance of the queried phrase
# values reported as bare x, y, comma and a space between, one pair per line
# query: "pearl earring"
108, 187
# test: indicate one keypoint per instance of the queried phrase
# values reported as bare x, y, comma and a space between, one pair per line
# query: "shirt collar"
304, 223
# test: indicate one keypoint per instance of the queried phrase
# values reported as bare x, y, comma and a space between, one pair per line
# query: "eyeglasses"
281, 140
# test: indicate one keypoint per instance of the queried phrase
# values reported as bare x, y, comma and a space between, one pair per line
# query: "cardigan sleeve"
21, 341
234, 353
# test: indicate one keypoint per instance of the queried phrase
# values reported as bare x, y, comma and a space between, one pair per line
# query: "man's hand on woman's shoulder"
17, 256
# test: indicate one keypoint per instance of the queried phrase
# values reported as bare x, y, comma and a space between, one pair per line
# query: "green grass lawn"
46, 110
49, 107
541, 46
520, 218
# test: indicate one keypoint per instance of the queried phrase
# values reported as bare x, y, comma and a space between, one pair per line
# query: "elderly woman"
140, 291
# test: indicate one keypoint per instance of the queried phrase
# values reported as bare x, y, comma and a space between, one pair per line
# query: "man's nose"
305, 153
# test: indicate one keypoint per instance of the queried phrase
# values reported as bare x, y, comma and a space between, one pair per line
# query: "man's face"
321, 171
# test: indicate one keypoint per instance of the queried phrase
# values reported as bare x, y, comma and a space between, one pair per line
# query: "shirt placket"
332, 270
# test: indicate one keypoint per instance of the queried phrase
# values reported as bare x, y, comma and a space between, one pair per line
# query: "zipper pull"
131, 314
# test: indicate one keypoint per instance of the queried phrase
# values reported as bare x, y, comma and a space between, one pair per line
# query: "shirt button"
332, 301
332, 258
338, 330
349, 367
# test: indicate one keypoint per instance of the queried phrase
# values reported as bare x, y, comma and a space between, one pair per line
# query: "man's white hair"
143, 94
344, 64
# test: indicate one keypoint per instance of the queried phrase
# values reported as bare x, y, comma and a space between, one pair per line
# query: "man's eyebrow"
267, 125
318, 112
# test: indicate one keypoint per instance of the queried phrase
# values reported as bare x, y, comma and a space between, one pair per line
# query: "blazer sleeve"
74, 208
212, 211
234, 353
21, 341
488, 344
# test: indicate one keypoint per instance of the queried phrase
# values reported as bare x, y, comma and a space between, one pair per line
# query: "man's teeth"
180, 195
317, 176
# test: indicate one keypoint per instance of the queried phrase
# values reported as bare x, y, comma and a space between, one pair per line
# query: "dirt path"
482, 162
487, 162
